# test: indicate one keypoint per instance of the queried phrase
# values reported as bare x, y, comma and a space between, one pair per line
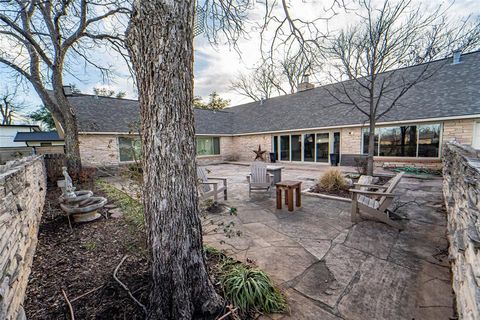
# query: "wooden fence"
54, 163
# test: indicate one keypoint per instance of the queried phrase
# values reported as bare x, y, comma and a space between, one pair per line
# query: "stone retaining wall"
461, 189
22, 195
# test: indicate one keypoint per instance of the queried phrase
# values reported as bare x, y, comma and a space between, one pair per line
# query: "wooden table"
289, 186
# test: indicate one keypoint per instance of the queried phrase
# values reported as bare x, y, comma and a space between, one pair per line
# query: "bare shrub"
361, 164
332, 180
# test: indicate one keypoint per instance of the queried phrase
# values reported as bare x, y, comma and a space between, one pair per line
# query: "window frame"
119, 148
213, 145
302, 142
417, 125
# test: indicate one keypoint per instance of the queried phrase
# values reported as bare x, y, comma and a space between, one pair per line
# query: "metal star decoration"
259, 153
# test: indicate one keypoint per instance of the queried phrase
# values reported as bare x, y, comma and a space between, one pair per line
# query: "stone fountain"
79, 204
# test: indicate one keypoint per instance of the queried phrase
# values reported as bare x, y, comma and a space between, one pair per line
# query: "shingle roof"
37, 136
450, 92
103, 114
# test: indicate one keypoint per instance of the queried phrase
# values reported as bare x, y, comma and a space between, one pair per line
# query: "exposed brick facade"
101, 150
460, 131
350, 140
243, 146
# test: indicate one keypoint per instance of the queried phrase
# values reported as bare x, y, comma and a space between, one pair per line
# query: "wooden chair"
373, 204
259, 178
210, 186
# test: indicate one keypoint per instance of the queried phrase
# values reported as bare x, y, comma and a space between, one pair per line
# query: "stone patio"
330, 268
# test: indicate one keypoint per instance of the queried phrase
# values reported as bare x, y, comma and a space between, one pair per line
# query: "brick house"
307, 126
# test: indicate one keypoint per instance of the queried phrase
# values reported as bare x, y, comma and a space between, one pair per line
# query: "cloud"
215, 67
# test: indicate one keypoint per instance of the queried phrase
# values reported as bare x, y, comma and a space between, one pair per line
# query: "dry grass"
332, 180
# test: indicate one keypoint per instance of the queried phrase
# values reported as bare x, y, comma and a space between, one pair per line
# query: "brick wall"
22, 194
243, 146
461, 190
99, 150
460, 131
350, 140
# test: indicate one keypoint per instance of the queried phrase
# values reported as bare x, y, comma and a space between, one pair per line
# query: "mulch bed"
83, 259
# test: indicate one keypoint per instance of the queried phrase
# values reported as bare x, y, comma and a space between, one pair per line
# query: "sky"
215, 66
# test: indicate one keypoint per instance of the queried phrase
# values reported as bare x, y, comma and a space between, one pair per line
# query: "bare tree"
261, 83
9, 107
160, 42
393, 36
41, 40
181, 287
276, 76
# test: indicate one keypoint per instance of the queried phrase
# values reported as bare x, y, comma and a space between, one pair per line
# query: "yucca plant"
250, 289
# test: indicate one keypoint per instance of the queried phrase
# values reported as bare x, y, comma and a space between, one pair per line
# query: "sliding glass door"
285, 148
296, 147
322, 146
309, 147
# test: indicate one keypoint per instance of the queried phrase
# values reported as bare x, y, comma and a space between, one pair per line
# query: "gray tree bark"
160, 42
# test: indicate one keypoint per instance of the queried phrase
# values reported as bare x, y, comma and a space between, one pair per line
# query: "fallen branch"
72, 316
125, 287
227, 314
87, 293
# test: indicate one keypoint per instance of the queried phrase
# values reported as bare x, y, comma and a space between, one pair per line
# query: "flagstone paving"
330, 268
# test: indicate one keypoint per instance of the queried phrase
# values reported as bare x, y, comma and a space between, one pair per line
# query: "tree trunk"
72, 148
371, 150
160, 42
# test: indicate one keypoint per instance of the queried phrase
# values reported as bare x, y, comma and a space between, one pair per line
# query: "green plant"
90, 245
251, 290
333, 180
131, 207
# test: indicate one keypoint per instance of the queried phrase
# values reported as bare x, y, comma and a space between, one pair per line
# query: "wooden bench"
373, 204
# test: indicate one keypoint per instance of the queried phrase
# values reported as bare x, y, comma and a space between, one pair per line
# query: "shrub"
251, 290
332, 180
131, 208
361, 164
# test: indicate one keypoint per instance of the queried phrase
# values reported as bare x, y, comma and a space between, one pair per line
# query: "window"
285, 148
129, 148
207, 146
398, 141
309, 147
365, 142
405, 141
428, 140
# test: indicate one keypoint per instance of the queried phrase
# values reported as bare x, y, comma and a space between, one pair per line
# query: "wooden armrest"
213, 178
212, 183
370, 186
372, 193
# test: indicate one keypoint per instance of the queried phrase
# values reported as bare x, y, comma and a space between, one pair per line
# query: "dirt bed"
82, 259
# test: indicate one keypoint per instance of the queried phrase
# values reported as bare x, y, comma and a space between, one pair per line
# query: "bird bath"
79, 204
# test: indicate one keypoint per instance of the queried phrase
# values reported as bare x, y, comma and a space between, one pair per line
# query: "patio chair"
210, 186
373, 204
259, 178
